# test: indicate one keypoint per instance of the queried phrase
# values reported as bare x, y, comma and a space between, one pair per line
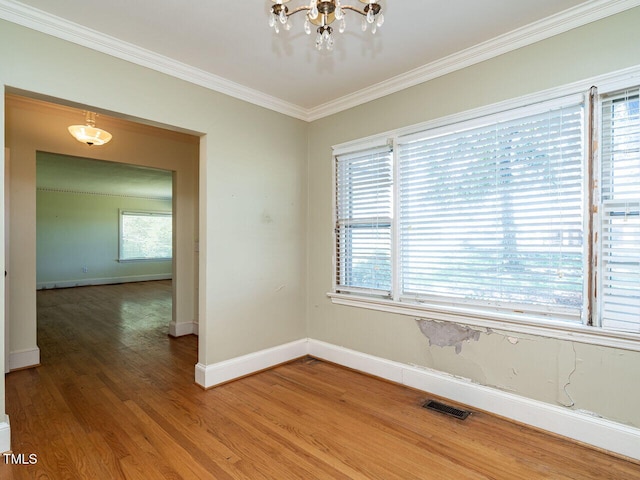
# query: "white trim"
607, 82
575, 17
84, 282
24, 358
599, 432
378, 142
100, 194
209, 376
5, 435
580, 426
182, 328
44, 22
535, 32
503, 321
510, 111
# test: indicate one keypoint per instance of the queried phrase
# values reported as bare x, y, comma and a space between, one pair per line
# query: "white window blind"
491, 213
620, 192
363, 220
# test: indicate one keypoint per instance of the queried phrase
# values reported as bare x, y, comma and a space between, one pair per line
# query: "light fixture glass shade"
89, 135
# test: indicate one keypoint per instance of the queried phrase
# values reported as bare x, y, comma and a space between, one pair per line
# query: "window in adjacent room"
145, 235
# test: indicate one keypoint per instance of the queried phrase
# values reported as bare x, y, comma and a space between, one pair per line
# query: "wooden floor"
115, 398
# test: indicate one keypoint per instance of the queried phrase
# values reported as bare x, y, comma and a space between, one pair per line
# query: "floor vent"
447, 409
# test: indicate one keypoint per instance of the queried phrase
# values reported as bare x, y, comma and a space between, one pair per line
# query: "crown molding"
72, 191
554, 25
43, 22
578, 16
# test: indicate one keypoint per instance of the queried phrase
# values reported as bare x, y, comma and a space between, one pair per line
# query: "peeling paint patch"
513, 340
445, 334
587, 412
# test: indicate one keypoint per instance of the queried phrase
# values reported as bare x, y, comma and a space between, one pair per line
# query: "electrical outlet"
85, 269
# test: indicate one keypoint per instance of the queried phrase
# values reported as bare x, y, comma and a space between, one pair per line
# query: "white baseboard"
5, 435
24, 358
85, 282
209, 376
599, 432
585, 428
182, 329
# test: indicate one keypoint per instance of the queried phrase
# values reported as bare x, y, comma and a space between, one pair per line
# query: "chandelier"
322, 14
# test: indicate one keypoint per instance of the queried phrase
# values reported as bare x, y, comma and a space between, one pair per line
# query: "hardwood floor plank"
115, 398
409, 463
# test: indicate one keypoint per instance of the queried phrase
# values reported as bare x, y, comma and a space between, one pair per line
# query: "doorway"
35, 126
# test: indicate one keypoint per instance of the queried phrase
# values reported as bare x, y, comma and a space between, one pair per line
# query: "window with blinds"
620, 212
363, 221
493, 214
507, 216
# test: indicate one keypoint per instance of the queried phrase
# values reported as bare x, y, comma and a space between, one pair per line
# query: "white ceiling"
231, 43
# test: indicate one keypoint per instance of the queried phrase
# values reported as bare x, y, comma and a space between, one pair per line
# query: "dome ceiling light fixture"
88, 133
322, 14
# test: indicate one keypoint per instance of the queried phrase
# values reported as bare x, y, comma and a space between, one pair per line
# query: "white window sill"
496, 320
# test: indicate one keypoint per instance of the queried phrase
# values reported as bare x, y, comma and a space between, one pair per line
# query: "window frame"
137, 212
344, 228
589, 330
602, 212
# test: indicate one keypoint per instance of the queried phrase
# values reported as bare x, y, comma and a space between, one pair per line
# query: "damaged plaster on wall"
446, 334
450, 334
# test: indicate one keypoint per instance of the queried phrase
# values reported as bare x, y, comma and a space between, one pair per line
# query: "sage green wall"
76, 230
602, 380
252, 188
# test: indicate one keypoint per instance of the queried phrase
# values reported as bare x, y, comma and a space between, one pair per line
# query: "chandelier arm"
354, 9
299, 9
